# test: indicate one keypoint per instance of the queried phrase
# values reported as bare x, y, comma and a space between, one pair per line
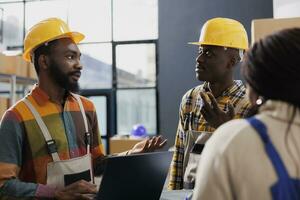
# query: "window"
100, 103
12, 27
135, 19
136, 65
97, 65
36, 11
96, 23
136, 106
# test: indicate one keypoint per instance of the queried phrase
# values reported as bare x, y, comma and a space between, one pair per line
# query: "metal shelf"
13, 80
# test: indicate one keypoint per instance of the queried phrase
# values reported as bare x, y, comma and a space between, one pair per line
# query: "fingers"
230, 111
204, 113
146, 145
210, 105
206, 104
85, 196
151, 145
213, 101
207, 110
156, 143
162, 144
82, 187
78, 190
158, 140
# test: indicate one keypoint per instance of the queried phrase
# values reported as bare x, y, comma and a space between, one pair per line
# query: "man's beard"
62, 79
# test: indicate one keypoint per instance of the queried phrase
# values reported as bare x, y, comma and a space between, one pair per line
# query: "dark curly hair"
44, 49
272, 66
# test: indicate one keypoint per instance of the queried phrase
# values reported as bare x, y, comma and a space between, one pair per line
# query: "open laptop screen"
135, 177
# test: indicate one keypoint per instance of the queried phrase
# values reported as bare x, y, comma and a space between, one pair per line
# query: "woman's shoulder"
235, 131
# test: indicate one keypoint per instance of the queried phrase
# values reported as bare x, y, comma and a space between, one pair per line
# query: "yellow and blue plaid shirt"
191, 104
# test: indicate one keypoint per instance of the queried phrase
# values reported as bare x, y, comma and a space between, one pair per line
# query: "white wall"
286, 8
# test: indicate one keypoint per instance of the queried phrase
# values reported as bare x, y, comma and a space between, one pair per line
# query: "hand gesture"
78, 190
148, 145
212, 113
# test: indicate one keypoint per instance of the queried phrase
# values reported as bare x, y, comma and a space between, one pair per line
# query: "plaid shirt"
23, 151
191, 103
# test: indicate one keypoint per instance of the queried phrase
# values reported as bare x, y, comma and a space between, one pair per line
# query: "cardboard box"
13, 65
4, 102
263, 27
31, 73
118, 145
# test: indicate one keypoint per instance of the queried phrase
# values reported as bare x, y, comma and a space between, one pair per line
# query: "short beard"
62, 79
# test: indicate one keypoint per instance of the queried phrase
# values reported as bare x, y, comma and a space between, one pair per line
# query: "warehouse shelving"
14, 80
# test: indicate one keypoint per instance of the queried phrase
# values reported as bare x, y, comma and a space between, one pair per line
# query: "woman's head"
272, 66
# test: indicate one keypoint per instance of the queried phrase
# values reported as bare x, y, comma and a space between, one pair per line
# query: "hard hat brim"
75, 36
204, 43
195, 43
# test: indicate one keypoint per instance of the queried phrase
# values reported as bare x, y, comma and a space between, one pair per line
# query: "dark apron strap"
269, 147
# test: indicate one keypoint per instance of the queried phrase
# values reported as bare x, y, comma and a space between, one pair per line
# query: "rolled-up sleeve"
11, 136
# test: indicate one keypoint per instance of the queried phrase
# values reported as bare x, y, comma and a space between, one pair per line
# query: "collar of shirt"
231, 91
41, 97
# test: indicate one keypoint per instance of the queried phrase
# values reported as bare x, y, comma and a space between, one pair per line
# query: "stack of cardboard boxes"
263, 27
14, 65
17, 66
118, 144
4, 104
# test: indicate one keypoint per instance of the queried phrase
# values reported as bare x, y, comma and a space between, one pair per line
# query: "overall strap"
269, 147
52, 148
87, 134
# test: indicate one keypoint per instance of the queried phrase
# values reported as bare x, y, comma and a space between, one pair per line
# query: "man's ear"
233, 56
43, 62
233, 61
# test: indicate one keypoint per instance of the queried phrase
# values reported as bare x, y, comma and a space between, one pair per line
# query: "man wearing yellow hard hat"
50, 141
219, 99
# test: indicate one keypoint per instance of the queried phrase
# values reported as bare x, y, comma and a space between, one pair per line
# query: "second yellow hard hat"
223, 32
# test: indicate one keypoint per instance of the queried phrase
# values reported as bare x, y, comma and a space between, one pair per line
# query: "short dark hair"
272, 66
44, 49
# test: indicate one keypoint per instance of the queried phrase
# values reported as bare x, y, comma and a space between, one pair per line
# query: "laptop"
135, 177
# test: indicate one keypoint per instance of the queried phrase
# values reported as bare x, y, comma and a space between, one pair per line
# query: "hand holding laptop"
78, 190
148, 145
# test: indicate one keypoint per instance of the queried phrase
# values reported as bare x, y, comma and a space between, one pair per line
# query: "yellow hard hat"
223, 32
46, 31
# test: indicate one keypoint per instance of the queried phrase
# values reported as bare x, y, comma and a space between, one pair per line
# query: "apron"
61, 173
286, 188
194, 143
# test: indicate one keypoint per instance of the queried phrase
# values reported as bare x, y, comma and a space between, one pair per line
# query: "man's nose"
79, 65
199, 58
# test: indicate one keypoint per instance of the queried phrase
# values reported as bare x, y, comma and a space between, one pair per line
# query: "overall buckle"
87, 138
51, 144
